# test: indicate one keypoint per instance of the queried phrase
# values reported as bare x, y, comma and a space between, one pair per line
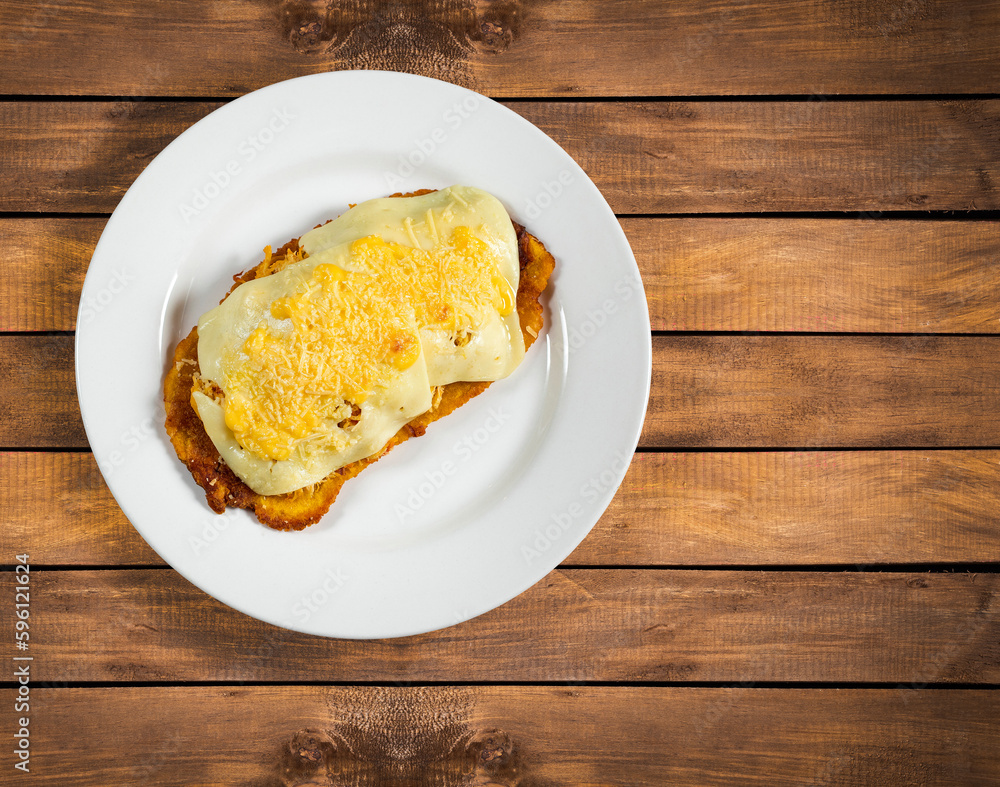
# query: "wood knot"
401, 744
311, 745
308, 34
499, 26
309, 758
435, 38
490, 749
492, 32
307, 24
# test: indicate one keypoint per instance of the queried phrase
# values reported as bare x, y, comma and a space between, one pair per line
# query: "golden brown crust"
301, 508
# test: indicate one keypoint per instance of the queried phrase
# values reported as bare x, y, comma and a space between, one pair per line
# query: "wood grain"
705, 274
708, 392
58, 509
83, 156
574, 625
742, 509
830, 275
507, 736
787, 508
38, 404
691, 157
515, 47
46, 262
824, 391
647, 157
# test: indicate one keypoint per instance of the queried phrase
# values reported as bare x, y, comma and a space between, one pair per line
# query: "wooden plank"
742, 509
691, 157
46, 261
641, 625
58, 509
823, 391
38, 404
878, 276
705, 274
508, 48
83, 156
858, 508
647, 157
708, 392
373, 736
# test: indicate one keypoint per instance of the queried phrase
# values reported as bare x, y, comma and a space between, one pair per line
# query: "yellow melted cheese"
321, 363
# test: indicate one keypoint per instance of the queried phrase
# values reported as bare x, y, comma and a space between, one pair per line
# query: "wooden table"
797, 582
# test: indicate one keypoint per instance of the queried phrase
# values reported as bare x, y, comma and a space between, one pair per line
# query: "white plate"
445, 527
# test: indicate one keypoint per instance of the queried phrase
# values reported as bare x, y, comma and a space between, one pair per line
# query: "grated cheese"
347, 332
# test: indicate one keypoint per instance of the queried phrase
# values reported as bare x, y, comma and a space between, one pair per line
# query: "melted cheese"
495, 347
322, 362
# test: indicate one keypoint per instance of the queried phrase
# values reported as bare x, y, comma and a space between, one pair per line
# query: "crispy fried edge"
303, 507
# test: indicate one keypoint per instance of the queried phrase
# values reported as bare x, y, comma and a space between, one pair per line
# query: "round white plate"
445, 527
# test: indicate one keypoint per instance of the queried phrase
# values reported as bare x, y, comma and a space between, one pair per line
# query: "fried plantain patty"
303, 507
